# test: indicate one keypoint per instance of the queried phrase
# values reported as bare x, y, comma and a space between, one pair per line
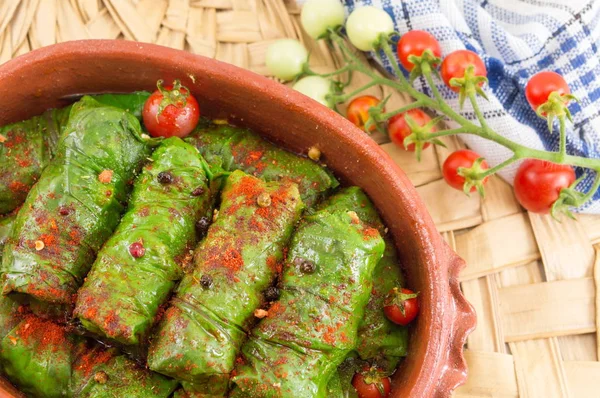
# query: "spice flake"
105, 176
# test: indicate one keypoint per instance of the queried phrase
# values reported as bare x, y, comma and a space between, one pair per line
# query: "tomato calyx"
176, 96
399, 298
474, 177
556, 106
331, 31
373, 375
384, 38
420, 135
568, 198
376, 120
427, 57
469, 84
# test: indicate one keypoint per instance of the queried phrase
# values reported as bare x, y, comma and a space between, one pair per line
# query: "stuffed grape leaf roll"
240, 149
200, 334
9, 317
131, 102
44, 360
25, 150
137, 268
326, 285
37, 356
104, 373
76, 204
27, 147
379, 338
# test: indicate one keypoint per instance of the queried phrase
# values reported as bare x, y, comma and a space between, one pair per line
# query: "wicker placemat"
531, 279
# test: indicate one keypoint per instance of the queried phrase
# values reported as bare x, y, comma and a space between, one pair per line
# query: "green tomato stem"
500, 166
309, 72
387, 50
563, 137
473, 98
405, 108
590, 193
444, 133
338, 99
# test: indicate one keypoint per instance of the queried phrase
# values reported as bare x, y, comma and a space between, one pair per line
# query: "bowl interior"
51, 76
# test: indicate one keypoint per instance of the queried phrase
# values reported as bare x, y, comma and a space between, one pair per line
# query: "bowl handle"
462, 318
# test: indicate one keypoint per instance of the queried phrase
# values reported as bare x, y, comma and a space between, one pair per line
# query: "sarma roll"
27, 147
104, 373
379, 338
37, 356
240, 149
201, 333
131, 102
25, 150
76, 204
326, 285
137, 268
44, 360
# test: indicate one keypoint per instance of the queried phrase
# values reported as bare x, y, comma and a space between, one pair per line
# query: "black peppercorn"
272, 293
202, 227
206, 281
198, 191
305, 266
165, 177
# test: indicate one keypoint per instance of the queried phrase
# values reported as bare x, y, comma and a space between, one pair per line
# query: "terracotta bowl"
48, 77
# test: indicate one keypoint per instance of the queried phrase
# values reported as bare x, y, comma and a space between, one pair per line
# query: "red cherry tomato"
461, 158
171, 111
541, 85
358, 110
369, 384
538, 184
416, 42
457, 62
398, 129
401, 306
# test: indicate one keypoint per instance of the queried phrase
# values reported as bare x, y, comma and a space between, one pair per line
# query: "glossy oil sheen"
49, 77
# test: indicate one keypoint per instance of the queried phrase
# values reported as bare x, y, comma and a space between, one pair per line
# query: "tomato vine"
462, 71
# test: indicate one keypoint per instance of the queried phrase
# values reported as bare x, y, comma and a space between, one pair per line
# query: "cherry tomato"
285, 58
541, 85
371, 384
538, 184
416, 42
171, 111
358, 110
319, 15
398, 129
457, 62
366, 24
457, 159
401, 306
315, 87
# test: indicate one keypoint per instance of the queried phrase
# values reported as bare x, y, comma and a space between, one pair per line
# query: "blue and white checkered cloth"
516, 39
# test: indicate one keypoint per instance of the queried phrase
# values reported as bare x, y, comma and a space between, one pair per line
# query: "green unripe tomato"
319, 15
366, 24
285, 58
315, 87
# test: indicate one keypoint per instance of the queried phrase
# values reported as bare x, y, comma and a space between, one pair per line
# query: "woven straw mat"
532, 280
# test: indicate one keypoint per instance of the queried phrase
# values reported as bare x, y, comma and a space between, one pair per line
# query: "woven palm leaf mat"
532, 280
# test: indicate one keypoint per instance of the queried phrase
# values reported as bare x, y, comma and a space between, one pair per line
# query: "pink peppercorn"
136, 249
